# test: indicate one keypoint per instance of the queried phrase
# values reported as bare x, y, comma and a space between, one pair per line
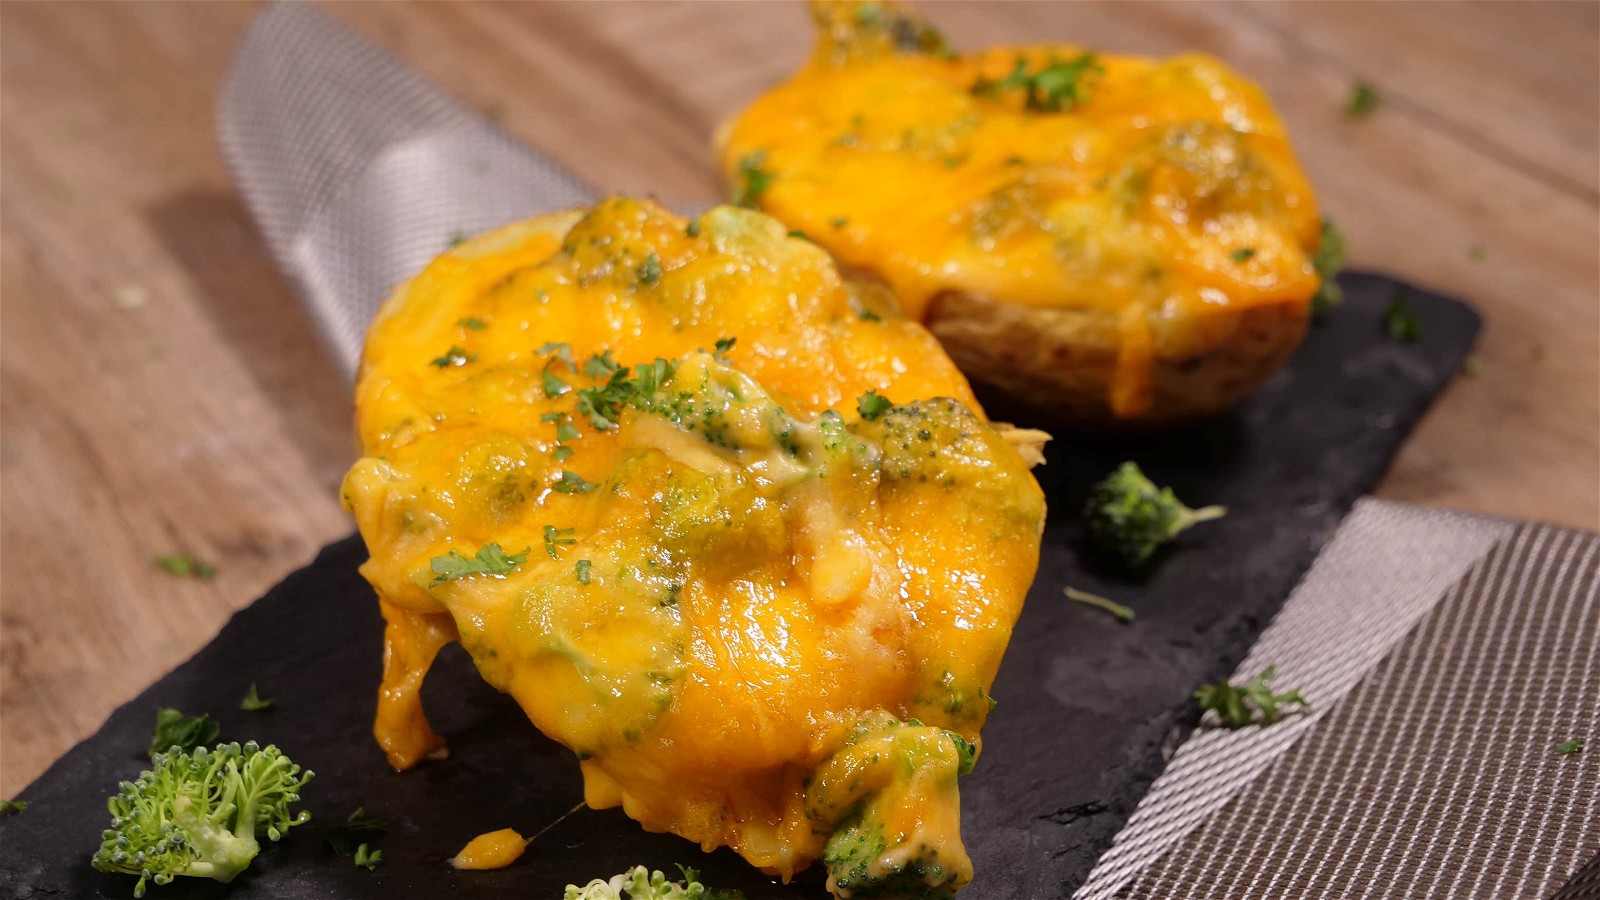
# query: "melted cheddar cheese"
1154, 195
721, 574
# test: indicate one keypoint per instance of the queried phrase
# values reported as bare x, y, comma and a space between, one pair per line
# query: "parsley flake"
254, 702
556, 538
1400, 323
724, 345
174, 729
457, 238
1060, 85
561, 454
692, 229
1243, 254
600, 366
491, 559
1327, 262
1567, 748
356, 830
650, 270
559, 349
872, 404
867, 315
567, 431
553, 385
12, 807
184, 565
838, 222
753, 179
455, 356
573, 483
1363, 100
582, 571
472, 322
1252, 703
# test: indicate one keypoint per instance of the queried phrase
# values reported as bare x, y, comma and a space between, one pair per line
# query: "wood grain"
207, 419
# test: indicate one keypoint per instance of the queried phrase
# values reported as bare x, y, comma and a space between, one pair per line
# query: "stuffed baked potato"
1116, 238
753, 556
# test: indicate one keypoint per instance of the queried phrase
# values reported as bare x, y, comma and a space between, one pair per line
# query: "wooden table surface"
162, 392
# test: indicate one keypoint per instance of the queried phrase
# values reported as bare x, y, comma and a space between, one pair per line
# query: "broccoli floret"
200, 813
639, 883
866, 792
860, 864
1128, 518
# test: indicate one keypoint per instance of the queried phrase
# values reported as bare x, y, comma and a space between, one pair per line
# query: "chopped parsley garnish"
1059, 85
1400, 323
455, 356
1327, 262
1252, 703
472, 322
1472, 367
174, 729
368, 859
567, 431
724, 345
1243, 254
561, 454
573, 483
559, 349
753, 179
650, 270
1566, 748
797, 233
648, 378
489, 560
838, 222
600, 365
1123, 613
582, 571
254, 702
1476, 253
12, 807
872, 405
556, 538
693, 228
184, 565
457, 238
1363, 100
867, 315
553, 385
602, 403
356, 830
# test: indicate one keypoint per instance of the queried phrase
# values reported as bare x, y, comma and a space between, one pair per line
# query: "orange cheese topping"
1150, 191
702, 567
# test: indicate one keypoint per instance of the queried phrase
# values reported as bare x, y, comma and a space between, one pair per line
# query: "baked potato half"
1117, 239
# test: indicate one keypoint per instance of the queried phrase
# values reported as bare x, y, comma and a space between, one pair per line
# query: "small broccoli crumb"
1122, 613
185, 565
872, 404
1567, 748
254, 702
1327, 262
12, 807
1363, 100
1127, 518
1400, 323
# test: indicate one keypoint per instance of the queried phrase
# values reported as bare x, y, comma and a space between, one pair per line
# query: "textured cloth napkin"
1445, 655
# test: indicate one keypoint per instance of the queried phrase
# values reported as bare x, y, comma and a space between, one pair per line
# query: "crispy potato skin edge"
1035, 355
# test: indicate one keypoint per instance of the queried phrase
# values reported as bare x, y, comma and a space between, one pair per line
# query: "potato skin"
1047, 358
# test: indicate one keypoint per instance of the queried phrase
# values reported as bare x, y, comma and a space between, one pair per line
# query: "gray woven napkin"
1445, 655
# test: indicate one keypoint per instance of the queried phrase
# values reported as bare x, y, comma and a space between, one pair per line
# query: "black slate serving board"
1087, 705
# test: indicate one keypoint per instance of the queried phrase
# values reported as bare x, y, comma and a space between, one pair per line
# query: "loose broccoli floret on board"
639, 883
200, 813
1128, 518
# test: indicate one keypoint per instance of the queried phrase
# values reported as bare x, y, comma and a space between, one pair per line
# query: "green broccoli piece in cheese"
639, 883
201, 813
1327, 262
865, 790
1128, 518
